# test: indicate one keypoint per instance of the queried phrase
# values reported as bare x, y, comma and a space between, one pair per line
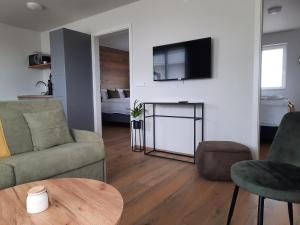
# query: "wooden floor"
165, 192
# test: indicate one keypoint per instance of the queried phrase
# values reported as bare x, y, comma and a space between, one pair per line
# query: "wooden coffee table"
72, 201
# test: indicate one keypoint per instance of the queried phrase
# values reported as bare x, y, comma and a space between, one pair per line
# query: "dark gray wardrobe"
71, 69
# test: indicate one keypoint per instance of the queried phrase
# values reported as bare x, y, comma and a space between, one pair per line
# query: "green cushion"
16, 129
113, 94
51, 162
48, 129
7, 177
275, 180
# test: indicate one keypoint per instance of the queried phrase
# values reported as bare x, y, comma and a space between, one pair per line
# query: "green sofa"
85, 157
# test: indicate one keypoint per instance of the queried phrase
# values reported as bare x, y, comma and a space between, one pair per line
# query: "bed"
272, 110
115, 110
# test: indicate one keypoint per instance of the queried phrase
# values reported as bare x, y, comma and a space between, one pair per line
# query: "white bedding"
272, 111
116, 105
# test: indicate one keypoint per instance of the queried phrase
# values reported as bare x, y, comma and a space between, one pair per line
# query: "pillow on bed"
113, 93
121, 93
126, 93
104, 94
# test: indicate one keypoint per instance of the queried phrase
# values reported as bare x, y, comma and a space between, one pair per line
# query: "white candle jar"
37, 200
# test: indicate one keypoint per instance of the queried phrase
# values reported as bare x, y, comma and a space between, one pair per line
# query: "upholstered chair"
277, 177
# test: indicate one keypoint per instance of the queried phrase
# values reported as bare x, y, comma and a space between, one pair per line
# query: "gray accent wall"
72, 76
292, 38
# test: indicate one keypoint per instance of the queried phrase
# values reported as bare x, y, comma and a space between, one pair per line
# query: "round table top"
71, 201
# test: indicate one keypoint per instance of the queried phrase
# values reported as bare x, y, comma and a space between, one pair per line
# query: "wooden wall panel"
114, 68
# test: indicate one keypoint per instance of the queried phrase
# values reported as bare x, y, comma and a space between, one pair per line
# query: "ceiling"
287, 19
60, 12
56, 12
117, 40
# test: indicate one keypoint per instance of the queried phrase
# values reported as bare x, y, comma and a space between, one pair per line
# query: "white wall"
15, 46
292, 38
229, 96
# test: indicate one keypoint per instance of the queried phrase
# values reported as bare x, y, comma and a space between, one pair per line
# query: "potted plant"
136, 113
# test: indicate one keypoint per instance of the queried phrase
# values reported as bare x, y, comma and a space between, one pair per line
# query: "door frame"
97, 72
258, 31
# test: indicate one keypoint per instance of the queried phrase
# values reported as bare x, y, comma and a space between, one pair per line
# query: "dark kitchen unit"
71, 68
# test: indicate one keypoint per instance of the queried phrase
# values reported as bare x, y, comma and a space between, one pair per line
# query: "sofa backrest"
16, 130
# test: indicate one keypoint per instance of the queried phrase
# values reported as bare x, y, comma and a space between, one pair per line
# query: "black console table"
194, 117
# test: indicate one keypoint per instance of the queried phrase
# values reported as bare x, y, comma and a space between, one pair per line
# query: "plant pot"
137, 124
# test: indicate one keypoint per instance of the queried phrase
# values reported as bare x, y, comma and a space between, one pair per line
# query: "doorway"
97, 68
115, 78
112, 70
280, 66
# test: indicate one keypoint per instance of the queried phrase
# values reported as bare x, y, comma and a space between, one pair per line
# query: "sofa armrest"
86, 136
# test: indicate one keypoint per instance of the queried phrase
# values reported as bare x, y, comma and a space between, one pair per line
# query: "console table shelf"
182, 117
194, 117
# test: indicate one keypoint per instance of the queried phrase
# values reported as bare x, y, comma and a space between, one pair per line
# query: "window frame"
284, 64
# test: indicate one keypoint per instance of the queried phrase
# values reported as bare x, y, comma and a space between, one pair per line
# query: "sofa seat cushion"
44, 164
7, 177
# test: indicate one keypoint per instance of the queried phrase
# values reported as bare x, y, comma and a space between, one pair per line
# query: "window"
273, 67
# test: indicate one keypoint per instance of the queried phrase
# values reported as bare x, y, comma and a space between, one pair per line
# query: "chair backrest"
16, 129
286, 144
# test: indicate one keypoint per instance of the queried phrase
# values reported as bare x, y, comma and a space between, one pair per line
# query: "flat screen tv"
183, 61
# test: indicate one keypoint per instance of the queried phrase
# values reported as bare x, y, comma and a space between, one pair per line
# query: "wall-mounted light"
298, 60
274, 10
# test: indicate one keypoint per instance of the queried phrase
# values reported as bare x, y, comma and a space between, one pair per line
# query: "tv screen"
183, 61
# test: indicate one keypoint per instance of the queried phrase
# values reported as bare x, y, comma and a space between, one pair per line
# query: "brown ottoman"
215, 158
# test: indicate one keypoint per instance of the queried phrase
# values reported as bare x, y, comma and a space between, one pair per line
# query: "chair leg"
260, 218
290, 207
233, 201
